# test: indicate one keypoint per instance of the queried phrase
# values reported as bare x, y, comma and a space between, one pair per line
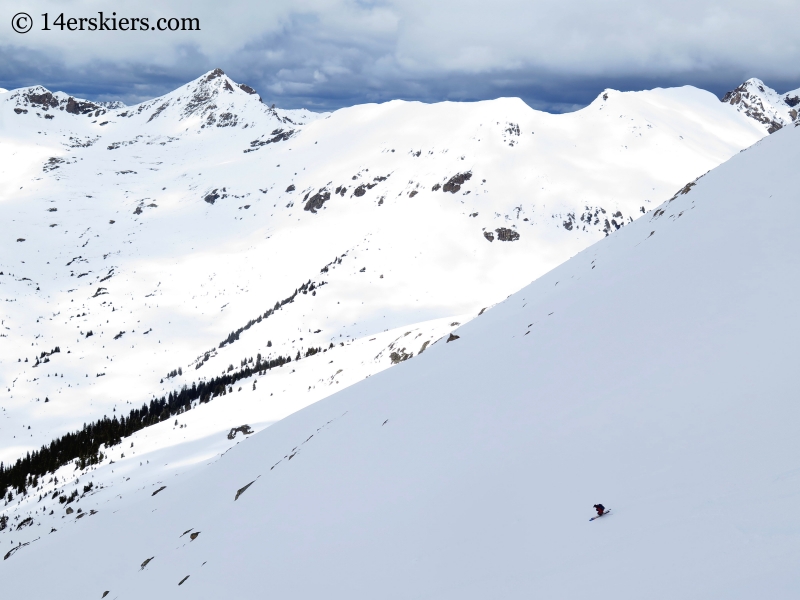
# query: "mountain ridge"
141, 242
653, 371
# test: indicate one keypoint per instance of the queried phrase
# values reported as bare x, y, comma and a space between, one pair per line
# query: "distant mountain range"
155, 239
188, 283
145, 240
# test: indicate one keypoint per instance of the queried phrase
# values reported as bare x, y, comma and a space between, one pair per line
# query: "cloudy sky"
324, 54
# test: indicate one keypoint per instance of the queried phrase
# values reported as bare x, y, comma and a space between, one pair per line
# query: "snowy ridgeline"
653, 371
764, 104
201, 237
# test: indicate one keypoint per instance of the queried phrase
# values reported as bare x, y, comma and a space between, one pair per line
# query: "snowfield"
136, 240
652, 371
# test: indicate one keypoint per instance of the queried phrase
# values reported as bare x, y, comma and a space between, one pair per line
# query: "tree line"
84, 446
307, 287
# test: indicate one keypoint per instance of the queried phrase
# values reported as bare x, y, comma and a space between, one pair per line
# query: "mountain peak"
225, 82
40, 98
213, 100
763, 104
214, 74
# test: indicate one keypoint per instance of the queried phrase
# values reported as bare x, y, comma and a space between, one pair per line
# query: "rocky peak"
211, 92
213, 97
763, 104
40, 98
208, 91
214, 74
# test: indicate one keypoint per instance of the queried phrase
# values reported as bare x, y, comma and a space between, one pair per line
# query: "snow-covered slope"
156, 246
765, 105
653, 372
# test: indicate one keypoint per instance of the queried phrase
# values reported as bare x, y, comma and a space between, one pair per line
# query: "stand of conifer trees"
84, 445
307, 287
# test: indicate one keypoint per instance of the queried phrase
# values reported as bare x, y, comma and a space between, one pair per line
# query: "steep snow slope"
150, 240
653, 372
765, 105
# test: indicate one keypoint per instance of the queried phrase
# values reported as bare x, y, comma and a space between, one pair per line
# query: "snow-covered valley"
203, 234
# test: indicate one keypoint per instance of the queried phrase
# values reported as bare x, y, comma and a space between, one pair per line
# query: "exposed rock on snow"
38, 97
82, 107
243, 429
455, 182
242, 490
506, 235
764, 105
400, 355
317, 200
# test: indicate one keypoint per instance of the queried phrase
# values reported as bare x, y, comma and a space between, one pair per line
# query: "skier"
600, 509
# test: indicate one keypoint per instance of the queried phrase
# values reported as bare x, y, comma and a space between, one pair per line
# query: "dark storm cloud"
324, 54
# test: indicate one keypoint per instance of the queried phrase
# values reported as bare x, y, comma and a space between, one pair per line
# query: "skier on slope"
600, 509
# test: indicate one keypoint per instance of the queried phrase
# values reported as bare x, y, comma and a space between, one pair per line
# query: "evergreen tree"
83, 447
